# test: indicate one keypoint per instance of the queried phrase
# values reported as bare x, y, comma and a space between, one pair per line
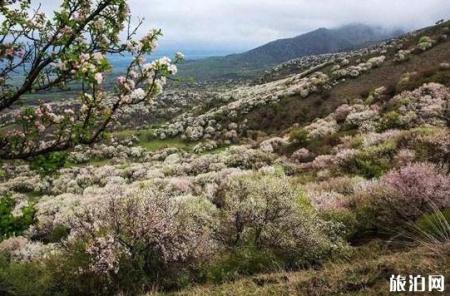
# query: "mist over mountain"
319, 41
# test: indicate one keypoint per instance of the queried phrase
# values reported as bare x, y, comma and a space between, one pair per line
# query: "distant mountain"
316, 42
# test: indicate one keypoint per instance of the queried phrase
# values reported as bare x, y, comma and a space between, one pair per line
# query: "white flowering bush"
267, 212
245, 158
155, 233
273, 145
333, 193
71, 46
322, 127
22, 249
363, 120
426, 104
425, 43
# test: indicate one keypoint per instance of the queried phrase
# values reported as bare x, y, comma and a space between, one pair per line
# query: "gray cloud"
241, 24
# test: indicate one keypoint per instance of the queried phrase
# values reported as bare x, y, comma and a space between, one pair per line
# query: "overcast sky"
234, 25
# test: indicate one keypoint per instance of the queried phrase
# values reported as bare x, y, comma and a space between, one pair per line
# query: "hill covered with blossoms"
325, 176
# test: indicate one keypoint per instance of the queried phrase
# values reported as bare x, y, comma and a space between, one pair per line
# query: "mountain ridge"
319, 41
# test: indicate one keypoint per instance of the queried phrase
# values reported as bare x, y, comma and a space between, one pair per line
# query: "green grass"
372, 162
157, 144
143, 134
11, 225
365, 273
149, 141
99, 162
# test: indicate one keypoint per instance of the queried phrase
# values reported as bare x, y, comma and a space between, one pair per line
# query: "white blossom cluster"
211, 125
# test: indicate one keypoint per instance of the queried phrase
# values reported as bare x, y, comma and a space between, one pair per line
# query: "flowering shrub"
273, 145
245, 158
362, 120
341, 113
322, 128
267, 212
302, 155
404, 157
323, 162
432, 145
21, 249
418, 188
154, 232
426, 104
333, 193
402, 196
425, 43
72, 46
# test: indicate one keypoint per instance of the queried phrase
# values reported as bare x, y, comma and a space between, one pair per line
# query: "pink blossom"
418, 188
99, 78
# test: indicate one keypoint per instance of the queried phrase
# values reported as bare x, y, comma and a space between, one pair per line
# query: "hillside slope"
316, 42
341, 78
326, 181
377, 117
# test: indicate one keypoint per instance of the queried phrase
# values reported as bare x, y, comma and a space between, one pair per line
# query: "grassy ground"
365, 273
148, 140
154, 145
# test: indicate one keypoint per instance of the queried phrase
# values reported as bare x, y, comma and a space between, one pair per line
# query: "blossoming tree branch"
71, 46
